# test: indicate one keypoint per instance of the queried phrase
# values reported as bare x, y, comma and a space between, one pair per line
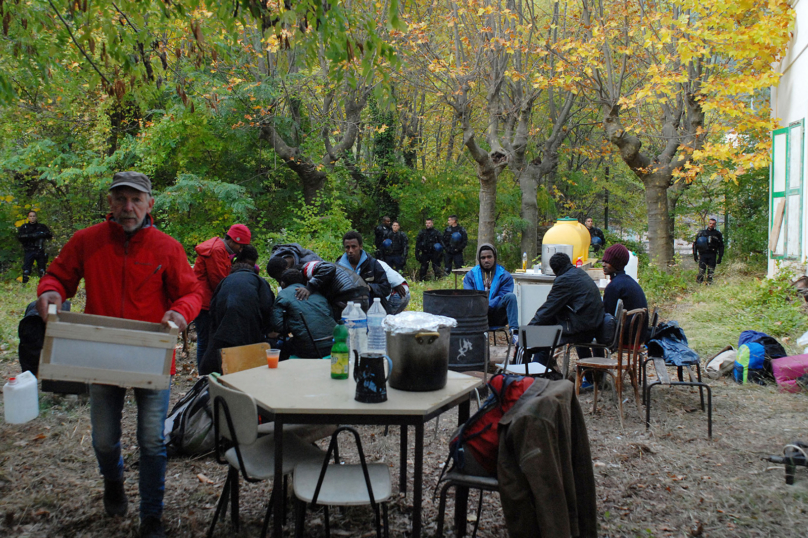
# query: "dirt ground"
667, 481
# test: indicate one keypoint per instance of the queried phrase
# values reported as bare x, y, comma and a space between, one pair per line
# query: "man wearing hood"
574, 303
489, 276
360, 262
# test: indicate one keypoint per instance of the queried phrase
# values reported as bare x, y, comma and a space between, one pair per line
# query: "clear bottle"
358, 329
377, 342
524, 261
344, 321
340, 353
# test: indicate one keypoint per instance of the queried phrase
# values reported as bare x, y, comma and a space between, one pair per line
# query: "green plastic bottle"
339, 353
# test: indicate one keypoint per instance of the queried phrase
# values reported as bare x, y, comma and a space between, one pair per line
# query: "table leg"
461, 493
402, 473
277, 484
418, 480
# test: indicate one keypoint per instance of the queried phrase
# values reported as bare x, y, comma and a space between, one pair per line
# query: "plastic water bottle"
21, 399
377, 342
524, 261
358, 329
344, 321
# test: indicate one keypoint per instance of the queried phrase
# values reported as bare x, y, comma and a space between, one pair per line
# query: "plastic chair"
456, 479
627, 361
341, 485
235, 424
533, 338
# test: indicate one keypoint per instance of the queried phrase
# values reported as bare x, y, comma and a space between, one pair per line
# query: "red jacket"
211, 267
138, 278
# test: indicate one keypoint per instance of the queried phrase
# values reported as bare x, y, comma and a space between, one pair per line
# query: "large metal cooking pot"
420, 360
547, 252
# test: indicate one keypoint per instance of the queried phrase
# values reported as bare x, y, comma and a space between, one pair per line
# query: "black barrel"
468, 344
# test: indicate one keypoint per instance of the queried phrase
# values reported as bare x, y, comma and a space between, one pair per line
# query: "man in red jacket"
212, 265
131, 270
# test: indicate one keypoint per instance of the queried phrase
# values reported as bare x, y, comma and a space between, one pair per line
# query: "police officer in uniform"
381, 233
32, 235
455, 240
429, 248
396, 254
708, 249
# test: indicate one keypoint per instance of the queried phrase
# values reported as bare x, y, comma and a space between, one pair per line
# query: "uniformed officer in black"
708, 249
381, 233
396, 255
32, 235
455, 240
595, 235
429, 248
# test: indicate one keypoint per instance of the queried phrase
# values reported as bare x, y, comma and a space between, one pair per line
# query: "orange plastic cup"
273, 356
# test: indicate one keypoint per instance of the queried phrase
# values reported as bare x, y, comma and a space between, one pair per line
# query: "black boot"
115, 501
152, 527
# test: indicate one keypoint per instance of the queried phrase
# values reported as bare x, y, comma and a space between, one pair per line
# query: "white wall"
789, 101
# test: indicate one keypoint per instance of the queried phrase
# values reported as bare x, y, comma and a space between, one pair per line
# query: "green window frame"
786, 186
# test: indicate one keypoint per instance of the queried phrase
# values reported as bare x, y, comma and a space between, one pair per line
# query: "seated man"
239, 310
289, 313
399, 297
574, 303
622, 286
491, 277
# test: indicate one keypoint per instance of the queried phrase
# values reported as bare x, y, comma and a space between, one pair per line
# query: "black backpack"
189, 426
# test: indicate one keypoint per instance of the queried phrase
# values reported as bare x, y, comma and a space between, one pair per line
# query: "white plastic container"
631, 267
21, 399
377, 341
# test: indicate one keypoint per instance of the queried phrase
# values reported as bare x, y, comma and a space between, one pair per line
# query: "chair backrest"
236, 359
235, 415
332, 450
619, 320
632, 344
654, 323
535, 337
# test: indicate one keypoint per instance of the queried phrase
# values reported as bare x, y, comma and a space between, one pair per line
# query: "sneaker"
115, 501
152, 527
586, 386
514, 340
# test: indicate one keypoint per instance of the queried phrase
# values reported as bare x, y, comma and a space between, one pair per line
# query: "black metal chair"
532, 339
456, 479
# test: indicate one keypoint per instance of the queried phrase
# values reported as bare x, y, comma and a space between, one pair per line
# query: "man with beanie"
574, 303
489, 276
131, 270
622, 286
213, 264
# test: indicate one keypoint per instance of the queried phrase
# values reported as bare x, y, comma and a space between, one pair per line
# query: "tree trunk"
660, 243
488, 176
529, 185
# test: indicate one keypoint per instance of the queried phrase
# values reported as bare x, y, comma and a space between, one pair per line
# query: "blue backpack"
749, 364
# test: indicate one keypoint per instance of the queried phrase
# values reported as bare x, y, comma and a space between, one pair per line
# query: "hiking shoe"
152, 527
115, 501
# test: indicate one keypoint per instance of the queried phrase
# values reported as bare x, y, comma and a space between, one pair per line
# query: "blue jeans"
505, 313
106, 406
202, 324
397, 303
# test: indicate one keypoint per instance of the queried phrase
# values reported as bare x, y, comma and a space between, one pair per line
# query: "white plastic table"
302, 392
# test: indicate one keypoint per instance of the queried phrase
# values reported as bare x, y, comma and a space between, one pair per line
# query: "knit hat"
240, 234
617, 256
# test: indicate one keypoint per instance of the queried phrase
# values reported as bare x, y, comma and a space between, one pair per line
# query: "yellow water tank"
568, 231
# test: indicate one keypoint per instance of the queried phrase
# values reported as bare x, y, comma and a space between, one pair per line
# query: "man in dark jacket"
574, 303
544, 468
491, 277
240, 310
291, 315
429, 248
595, 235
381, 233
32, 235
357, 260
396, 255
455, 240
708, 250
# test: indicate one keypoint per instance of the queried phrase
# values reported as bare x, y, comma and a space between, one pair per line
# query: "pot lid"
415, 322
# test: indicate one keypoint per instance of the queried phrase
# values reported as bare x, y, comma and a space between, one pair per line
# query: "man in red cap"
211, 267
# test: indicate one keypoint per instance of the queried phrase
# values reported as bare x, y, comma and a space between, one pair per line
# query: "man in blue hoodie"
489, 276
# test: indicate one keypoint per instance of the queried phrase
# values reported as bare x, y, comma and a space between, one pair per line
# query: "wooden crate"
109, 351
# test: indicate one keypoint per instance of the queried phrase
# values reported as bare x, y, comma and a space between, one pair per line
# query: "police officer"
708, 249
381, 233
32, 235
455, 240
429, 248
595, 234
396, 254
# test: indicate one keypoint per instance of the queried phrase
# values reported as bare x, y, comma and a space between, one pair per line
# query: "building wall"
789, 104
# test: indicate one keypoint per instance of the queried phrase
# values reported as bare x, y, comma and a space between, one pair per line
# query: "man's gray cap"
136, 180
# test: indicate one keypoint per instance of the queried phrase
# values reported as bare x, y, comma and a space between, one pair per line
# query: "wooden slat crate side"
105, 377
75, 331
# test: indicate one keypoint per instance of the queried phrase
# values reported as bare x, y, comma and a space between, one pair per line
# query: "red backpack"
479, 434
